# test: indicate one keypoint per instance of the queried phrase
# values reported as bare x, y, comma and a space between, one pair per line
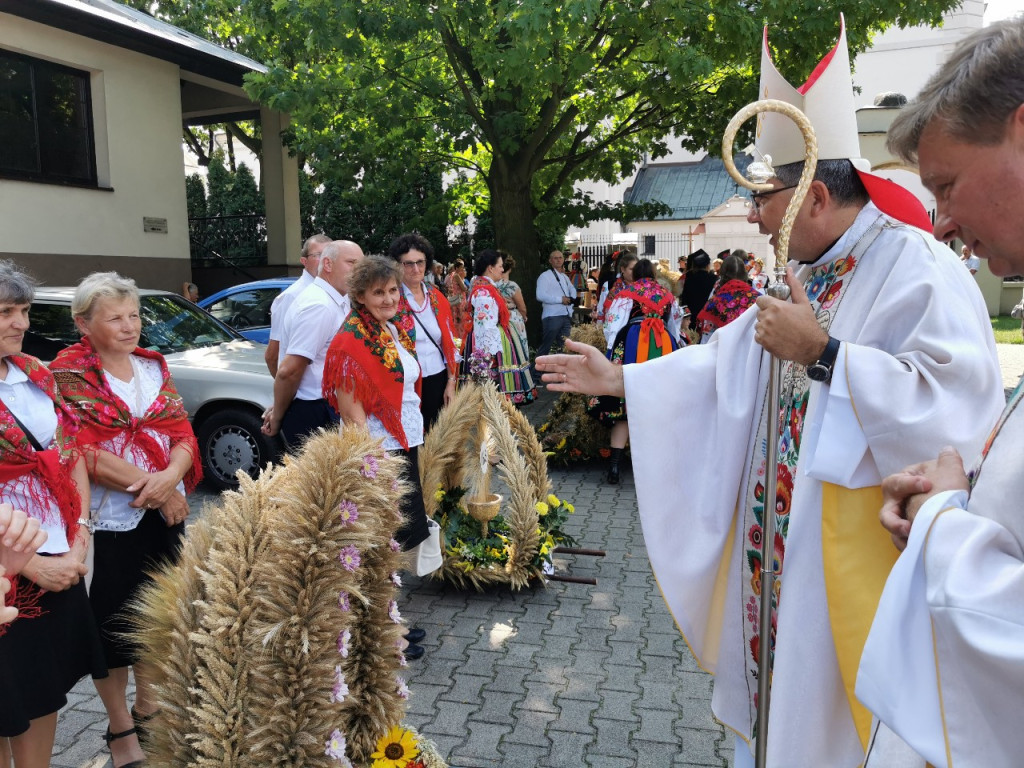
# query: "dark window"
245, 309
649, 243
45, 121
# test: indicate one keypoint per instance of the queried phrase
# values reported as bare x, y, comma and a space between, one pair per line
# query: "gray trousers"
556, 329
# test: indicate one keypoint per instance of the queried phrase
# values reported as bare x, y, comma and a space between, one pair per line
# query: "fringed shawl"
102, 415
729, 301
363, 359
52, 467
649, 294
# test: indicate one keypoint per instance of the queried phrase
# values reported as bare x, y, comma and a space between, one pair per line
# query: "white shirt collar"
329, 289
14, 375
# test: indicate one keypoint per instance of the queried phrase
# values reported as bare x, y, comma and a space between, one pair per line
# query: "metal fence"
670, 246
216, 241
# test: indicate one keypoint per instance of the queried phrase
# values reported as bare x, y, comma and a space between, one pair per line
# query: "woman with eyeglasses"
424, 314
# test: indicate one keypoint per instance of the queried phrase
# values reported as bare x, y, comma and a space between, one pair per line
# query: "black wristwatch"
822, 370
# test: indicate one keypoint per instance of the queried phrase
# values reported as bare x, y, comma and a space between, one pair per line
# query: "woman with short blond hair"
142, 459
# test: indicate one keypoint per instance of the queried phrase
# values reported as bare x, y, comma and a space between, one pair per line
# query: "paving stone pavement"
550, 677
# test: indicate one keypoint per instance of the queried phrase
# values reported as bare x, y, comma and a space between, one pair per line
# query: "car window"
51, 330
171, 324
245, 309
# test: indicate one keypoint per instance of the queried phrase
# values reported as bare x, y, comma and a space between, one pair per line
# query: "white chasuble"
917, 349
944, 664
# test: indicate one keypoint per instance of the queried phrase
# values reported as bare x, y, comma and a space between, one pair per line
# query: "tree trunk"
513, 213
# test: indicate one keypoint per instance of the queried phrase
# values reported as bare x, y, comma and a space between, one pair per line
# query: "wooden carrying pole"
779, 290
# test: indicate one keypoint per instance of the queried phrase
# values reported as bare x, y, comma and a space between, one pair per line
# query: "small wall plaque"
153, 224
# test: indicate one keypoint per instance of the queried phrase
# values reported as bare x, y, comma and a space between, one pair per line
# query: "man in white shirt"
557, 295
312, 321
944, 663
971, 261
279, 309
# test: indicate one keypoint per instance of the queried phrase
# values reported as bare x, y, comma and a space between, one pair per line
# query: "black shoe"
613, 466
109, 737
413, 651
415, 634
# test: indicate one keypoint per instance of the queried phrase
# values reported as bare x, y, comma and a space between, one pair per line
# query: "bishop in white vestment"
903, 336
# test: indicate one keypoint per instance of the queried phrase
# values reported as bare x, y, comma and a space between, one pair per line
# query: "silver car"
222, 377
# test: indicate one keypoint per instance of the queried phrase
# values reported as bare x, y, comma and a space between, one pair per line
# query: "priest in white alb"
886, 342
944, 664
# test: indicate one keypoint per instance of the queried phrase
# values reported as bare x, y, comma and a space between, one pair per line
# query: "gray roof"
689, 189
117, 24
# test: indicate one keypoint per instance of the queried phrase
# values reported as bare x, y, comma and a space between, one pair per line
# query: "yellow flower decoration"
395, 749
553, 500
571, 509
561, 444
542, 508
438, 495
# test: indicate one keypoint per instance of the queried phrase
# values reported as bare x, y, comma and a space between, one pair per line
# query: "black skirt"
42, 658
122, 561
414, 528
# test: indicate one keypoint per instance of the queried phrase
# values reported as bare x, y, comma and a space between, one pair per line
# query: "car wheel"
231, 440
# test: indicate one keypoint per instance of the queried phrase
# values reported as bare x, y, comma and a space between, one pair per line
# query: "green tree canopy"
533, 95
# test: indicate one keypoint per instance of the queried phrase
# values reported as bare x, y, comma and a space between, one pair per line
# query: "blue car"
246, 307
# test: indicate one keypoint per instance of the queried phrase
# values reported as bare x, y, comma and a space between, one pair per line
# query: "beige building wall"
136, 103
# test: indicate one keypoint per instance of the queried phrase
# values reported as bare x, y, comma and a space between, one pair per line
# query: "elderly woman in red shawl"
731, 298
53, 641
372, 379
142, 459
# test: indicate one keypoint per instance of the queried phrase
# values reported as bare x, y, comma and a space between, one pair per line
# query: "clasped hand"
158, 490
905, 492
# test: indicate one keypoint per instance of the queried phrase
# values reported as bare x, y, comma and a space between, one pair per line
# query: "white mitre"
827, 100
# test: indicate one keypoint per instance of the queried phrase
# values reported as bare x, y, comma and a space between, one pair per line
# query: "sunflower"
395, 749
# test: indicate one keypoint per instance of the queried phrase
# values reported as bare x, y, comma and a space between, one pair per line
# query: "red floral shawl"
52, 466
442, 310
649, 294
483, 285
363, 359
103, 415
729, 301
